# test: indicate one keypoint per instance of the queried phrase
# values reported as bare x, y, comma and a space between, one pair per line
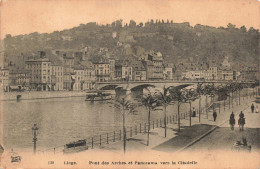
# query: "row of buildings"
42, 74
224, 71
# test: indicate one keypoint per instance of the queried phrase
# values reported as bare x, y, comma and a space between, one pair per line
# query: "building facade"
68, 72
4, 80
19, 79
138, 71
127, 72
102, 70
79, 79
57, 77
155, 67
89, 78
40, 73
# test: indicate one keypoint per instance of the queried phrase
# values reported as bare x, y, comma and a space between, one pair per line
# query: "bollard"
114, 136
170, 119
166, 120
92, 144
107, 138
135, 130
100, 140
119, 134
130, 131
153, 124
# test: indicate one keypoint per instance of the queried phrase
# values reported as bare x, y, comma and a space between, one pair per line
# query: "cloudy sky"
27, 16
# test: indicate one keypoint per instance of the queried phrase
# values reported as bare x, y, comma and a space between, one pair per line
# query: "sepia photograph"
129, 84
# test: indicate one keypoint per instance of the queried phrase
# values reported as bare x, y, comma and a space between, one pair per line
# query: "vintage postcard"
129, 84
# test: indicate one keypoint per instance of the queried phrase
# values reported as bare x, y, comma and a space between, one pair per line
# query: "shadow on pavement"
222, 138
184, 137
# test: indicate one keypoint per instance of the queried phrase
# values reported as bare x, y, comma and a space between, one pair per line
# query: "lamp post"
34, 132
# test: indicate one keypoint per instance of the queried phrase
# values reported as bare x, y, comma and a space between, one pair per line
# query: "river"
62, 120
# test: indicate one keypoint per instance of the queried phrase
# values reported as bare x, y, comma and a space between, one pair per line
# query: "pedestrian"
194, 112
232, 116
241, 115
214, 115
252, 108
232, 121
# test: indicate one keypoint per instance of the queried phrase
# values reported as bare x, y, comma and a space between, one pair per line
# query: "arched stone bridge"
136, 87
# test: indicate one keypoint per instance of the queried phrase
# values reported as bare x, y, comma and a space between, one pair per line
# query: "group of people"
253, 108
232, 116
241, 121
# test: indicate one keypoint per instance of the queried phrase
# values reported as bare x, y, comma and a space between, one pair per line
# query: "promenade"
189, 136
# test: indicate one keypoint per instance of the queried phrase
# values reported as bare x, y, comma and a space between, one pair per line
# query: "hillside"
177, 42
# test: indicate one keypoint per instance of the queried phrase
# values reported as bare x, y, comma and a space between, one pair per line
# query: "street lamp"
34, 132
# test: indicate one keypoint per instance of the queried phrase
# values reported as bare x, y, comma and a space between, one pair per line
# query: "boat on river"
98, 96
74, 147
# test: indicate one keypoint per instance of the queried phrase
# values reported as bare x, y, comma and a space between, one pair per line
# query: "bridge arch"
137, 91
108, 87
141, 86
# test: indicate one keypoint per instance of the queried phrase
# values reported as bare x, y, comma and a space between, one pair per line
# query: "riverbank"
12, 96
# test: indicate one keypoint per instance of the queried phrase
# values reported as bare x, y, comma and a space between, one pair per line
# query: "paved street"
223, 137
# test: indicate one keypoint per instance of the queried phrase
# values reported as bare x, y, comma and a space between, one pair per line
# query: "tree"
8, 36
132, 24
239, 87
190, 95
126, 107
210, 91
223, 92
200, 91
232, 88
150, 102
117, 24
165, 99
178, 96
243, 28
141, 24
231, 26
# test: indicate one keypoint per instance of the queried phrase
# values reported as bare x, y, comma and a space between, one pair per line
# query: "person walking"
194, 112
215, 115
232, 121
252, 108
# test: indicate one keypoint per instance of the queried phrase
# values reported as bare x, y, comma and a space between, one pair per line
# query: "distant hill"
176, 41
